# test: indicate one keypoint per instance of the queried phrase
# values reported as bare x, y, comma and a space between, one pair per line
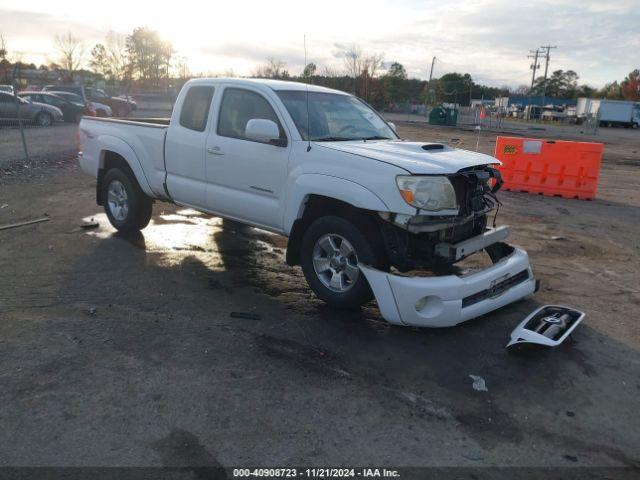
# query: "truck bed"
141, 140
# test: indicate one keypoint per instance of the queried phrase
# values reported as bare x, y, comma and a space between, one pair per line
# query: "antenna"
307, 88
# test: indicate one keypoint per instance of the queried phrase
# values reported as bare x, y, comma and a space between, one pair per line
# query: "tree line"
147, 60
384, 84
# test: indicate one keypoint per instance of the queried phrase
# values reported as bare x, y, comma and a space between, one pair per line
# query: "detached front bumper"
449, 300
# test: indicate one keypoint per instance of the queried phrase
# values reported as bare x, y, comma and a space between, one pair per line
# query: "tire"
44, 119
128, 208
78, 117
321, 241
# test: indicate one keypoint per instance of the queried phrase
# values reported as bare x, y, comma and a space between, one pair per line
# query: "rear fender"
116, 145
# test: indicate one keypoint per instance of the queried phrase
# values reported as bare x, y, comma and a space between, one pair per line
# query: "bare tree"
182, 68
273, 68
361, 67
71, 52
329, 72
117, 59
373, 63
370, 66
353, 60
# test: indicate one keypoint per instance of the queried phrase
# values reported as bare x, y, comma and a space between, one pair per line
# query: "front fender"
328, 186
116, 145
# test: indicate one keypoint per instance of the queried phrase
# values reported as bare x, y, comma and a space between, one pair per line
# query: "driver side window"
238, 107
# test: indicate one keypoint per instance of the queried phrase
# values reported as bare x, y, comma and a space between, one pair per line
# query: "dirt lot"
122, 351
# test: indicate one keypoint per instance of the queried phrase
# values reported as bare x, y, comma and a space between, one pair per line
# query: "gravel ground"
122, 350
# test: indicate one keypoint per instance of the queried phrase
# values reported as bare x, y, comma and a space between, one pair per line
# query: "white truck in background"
324, 169
609, 113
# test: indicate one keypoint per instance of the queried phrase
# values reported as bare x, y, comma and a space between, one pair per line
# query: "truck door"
185, 148
246, 178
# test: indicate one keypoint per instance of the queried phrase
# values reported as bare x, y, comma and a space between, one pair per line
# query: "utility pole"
546, 69
433, 61
534, 66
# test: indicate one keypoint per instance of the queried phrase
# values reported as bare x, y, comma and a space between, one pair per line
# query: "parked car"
91, 108
101, 109
38, 113
130, 100
119, 106
6, 88
323, 168
553, 112
100, 101
75, 89
72, 111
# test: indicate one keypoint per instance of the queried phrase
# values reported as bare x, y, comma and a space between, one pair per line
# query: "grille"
496, 289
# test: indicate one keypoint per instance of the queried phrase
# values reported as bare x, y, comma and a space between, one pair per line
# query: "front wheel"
44, 119
126, 205
332, 248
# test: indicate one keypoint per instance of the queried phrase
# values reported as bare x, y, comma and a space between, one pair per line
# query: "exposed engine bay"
424, 240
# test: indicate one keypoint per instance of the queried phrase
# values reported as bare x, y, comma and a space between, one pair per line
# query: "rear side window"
195, 108
51, 100
238, 107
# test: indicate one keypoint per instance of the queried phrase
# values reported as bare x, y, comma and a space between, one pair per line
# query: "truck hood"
415, 157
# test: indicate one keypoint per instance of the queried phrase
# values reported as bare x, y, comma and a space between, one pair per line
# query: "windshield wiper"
333, 139
376, 137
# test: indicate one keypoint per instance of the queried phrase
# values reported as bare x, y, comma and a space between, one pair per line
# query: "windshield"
334, 117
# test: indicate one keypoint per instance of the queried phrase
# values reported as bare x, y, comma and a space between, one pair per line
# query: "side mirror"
262, 130
393, 126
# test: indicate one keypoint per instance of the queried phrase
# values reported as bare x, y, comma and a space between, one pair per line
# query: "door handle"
215, 151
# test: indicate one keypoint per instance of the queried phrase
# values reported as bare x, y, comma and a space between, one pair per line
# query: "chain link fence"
40, 143
31, 143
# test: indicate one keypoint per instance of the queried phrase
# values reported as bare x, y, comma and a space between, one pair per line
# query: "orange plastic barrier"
550, 167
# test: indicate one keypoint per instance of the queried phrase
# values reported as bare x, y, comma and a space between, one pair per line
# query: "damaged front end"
426, 241
423, 240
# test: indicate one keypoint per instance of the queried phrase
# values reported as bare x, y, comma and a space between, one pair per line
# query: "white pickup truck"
323, 168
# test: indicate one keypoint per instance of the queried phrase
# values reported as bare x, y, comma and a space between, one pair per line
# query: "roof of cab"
272, 84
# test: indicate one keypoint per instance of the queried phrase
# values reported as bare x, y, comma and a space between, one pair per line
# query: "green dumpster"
443, 116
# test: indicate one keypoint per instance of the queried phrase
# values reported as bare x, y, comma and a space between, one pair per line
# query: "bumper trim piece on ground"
445, 301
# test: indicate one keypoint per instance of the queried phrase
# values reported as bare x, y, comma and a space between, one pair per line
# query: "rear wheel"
44, 119
126, 205
332, 248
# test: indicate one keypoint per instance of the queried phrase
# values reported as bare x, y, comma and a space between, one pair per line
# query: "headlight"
428, 193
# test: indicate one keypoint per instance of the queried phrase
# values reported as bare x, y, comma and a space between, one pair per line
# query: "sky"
490, 39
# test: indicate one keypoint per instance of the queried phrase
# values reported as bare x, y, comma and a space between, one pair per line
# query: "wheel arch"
317, 206
314, 195
117, 154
